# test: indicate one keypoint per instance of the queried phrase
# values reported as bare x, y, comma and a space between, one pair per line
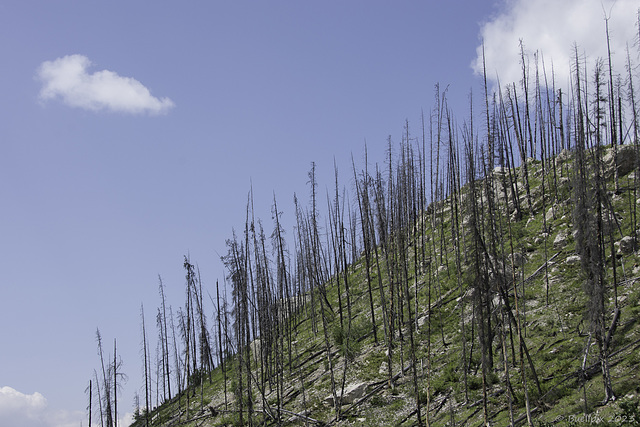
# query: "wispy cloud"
68, 79
553, 28
32, 410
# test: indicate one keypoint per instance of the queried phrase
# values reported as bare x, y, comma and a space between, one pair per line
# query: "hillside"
484, 275
494, 297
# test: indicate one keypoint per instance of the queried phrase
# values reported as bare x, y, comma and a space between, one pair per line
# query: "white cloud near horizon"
68, 79
553, 28
32, 410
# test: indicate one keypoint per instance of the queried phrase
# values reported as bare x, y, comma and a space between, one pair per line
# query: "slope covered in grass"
470, 265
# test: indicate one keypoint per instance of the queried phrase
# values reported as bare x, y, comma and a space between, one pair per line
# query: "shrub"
351, 347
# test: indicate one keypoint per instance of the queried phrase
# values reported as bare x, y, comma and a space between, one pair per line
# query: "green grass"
555, 335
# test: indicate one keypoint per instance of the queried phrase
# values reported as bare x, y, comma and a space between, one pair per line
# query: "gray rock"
352, 392
499, 171
551, 213
626, 245
625, 159
561, 240
384, 368
564, 156
573, 259
422, 320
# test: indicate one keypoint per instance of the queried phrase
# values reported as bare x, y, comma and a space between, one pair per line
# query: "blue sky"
131, 133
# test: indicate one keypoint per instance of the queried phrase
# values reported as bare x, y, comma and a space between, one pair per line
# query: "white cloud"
68, 79
553, 27
126, 419
32, 410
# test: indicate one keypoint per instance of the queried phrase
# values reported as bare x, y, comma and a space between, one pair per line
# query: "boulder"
384, 368
422, 320
573, 259
561, 240
626, 245
352, 392
625, 159
564, 156
551, 213
499, 171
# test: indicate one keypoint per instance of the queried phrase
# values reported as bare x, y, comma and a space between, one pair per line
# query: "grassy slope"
556, 335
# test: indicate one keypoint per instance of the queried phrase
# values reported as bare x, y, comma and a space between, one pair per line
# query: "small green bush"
630, 413
351, 347
474, 382
446, 380
378, 401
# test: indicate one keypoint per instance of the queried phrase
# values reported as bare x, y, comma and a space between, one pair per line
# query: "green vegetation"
477, 278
